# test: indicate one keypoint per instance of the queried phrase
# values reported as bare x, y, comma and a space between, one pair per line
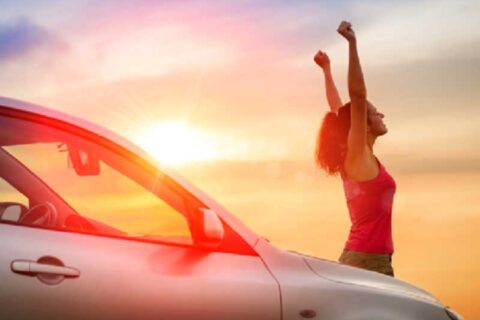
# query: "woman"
345, 145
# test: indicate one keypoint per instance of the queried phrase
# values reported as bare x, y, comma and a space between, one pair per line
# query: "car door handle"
34, 268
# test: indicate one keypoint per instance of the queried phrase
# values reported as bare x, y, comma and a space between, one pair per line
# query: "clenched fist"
345, 29
322, 59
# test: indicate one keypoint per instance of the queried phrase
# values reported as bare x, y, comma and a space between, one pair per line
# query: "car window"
10, 198
101, 191
9, 194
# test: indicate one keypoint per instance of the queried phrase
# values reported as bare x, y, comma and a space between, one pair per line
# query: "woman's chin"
383, 132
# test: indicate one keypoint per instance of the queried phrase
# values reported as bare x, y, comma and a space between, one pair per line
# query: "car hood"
340, 273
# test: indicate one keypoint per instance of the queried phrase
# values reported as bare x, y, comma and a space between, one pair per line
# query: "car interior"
45, 208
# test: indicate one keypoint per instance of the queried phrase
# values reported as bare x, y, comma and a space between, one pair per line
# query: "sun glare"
175, 143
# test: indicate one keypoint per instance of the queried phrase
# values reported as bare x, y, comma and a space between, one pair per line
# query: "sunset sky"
227, 93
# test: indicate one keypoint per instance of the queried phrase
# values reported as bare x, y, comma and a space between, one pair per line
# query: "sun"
176, 143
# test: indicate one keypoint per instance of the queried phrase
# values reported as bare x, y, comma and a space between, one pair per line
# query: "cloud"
22, 37
38, 60
416, 31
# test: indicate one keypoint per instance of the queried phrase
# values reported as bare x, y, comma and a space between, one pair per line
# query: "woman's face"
376, 126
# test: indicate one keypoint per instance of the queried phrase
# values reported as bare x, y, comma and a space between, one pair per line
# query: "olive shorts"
379, 262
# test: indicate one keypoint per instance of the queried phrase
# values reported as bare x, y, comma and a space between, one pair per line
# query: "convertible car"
91, 227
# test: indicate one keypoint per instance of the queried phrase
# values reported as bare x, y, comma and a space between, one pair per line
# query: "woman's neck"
371, 141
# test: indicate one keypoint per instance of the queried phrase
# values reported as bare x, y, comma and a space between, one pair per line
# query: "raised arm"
333, 98
357, 136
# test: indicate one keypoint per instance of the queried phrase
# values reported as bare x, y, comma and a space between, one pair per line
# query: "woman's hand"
345, 29
322, 59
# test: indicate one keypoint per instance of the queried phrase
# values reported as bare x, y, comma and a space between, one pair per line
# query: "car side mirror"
12, 211
85, 164
213, 232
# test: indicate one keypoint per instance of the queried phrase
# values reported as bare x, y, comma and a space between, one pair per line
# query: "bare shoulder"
361, 166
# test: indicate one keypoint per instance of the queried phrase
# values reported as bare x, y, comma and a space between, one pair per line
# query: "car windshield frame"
233, 242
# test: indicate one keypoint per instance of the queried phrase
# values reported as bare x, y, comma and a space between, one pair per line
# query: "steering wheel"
43, 214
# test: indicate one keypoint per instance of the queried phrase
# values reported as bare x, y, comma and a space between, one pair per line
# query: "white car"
92, 228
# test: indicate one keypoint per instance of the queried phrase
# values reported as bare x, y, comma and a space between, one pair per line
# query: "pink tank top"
370, 205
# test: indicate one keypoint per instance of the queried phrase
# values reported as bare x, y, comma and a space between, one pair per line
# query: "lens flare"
176, 143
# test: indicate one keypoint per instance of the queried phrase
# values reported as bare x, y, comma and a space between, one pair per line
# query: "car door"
102, 254
124, 279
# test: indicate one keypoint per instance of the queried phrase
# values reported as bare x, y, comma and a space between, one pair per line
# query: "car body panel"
303, 289
125, 279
